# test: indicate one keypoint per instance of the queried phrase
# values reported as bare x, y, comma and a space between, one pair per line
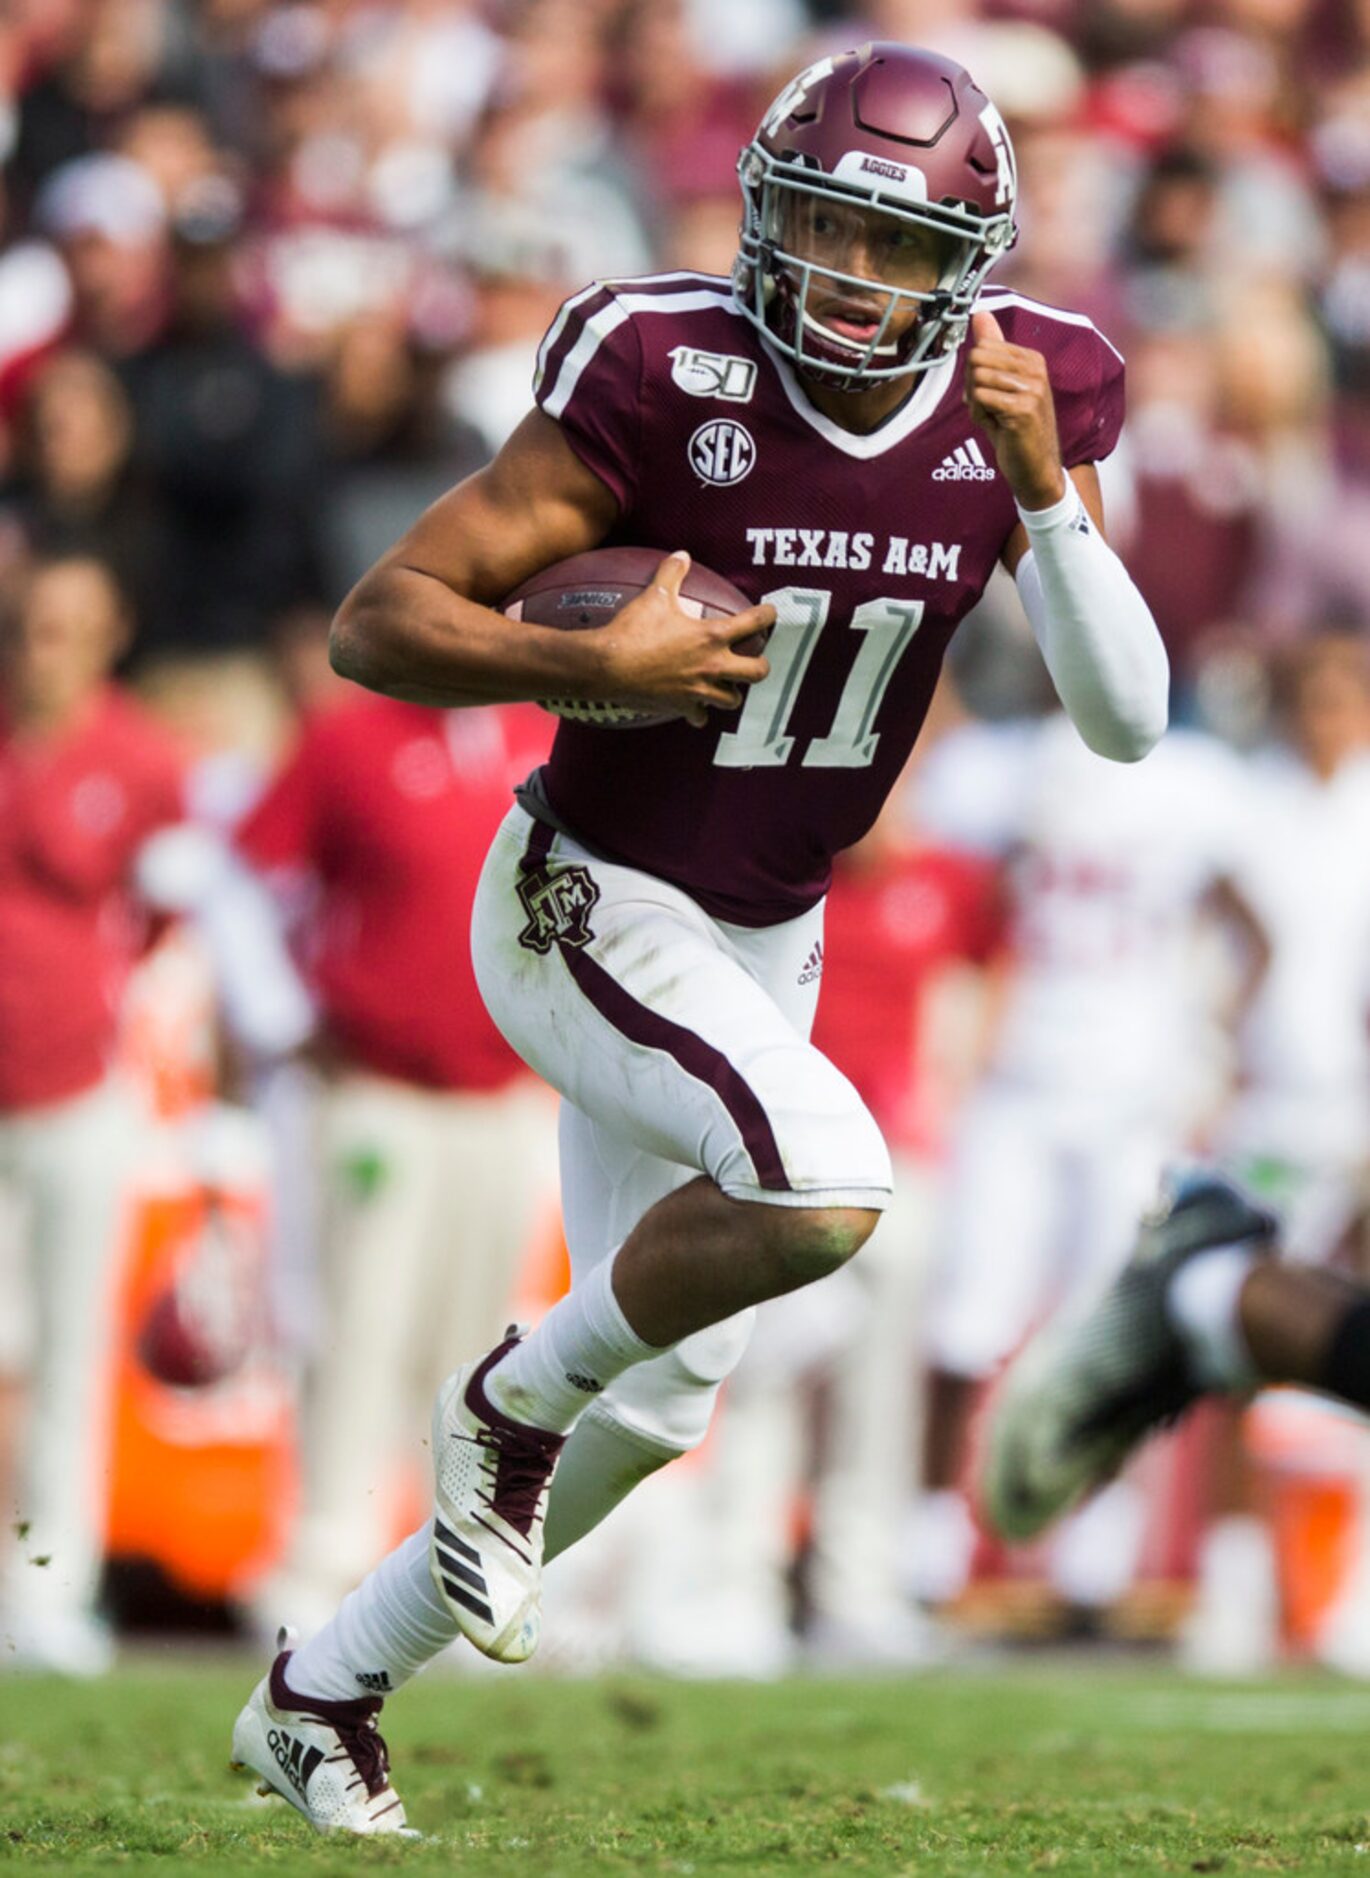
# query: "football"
589, 589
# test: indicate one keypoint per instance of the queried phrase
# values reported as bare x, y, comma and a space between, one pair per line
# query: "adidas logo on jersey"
813, 965
965, 464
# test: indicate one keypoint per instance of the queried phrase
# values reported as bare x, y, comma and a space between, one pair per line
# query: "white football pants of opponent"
1042, 1204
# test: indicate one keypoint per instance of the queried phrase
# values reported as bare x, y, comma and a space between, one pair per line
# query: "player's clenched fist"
1008, 393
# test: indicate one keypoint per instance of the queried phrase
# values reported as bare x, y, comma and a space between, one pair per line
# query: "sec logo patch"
722, 452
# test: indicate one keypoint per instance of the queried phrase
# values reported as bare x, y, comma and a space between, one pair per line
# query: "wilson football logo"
722, 452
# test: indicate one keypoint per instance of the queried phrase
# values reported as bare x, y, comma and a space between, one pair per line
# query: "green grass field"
1088, 1770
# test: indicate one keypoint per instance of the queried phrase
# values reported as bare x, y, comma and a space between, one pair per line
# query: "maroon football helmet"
897, 150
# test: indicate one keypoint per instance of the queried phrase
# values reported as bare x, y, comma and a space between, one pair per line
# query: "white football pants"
1042, 1204
680, 1046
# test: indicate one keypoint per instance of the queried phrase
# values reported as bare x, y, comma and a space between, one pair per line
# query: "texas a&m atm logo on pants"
558, 908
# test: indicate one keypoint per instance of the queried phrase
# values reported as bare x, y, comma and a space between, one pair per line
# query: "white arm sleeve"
1095, 630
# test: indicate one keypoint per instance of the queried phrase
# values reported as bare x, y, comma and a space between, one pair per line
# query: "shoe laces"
369, 1755
518, 1464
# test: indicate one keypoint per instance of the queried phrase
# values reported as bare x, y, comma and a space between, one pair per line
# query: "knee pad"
667, 1402
833, 1151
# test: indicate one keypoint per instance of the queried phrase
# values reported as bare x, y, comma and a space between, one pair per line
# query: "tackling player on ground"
855, 436
1204, 1307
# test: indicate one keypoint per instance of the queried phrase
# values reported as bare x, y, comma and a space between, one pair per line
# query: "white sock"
1094, 1552
384, 1632
1233, 1629
583, 1343
1235, 1559
1203, 1304
939, 1546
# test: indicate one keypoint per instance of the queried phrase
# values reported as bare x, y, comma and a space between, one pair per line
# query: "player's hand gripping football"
659, 654
1008, 393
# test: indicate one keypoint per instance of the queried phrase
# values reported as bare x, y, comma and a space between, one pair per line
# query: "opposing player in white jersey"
1298, 1131
1085, 1096
1202, 1306
854, 438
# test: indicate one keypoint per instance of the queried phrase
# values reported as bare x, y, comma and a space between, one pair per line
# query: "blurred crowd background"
272, 277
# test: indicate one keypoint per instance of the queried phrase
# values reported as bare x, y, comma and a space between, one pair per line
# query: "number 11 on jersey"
761, 740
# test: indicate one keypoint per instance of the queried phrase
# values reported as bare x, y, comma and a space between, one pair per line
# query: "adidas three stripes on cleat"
491, 1480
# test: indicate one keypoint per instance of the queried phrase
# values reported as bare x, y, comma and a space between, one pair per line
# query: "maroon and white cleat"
326, 1758
492, 1475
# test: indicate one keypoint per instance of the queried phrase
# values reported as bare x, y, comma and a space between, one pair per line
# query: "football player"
1298, 1131
1088, 1085
1201, 1308
855, 434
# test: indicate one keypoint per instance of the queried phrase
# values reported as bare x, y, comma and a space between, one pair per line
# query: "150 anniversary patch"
713, 374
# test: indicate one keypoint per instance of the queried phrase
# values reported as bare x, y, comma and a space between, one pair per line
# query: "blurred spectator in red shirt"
85, 779
438, 1148
685, 122
898, 915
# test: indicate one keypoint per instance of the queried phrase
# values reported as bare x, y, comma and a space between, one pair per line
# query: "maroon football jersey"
871, 548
